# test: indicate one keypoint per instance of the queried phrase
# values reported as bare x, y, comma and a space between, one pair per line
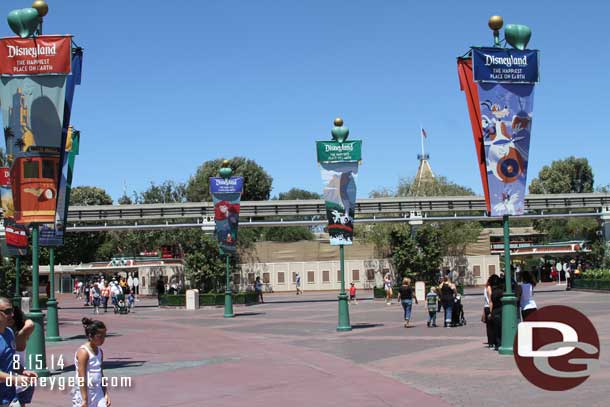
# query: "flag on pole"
423, 133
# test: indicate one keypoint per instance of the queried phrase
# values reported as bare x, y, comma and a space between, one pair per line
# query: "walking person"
352, 293
297, 281
96, 298
387, 285
88, 361
568, 279
526, 301
105, 295
87, 291
405, 298
258, 288
448, 292
431, 304
486, 317
495, 309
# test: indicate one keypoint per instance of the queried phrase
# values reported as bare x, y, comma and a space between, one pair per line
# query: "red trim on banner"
469, 87
43, 55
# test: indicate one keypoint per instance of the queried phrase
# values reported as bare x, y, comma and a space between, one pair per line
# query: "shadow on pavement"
111, 364
249, 314
365, 326
310, 301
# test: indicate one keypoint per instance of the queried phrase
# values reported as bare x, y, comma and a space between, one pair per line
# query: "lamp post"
509, 301
225, 172
36, 352
52, 319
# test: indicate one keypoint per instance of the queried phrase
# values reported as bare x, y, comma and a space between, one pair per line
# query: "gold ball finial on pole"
495, 22
338, 122
225, 163
41, 6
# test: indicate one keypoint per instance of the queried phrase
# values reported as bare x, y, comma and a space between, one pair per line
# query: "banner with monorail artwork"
505, 85
32, 94
226, 195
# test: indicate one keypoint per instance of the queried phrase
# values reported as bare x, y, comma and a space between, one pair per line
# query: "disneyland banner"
226, 195
340, 200
43, 55
502, 65
506, 120
33, 116
14, 237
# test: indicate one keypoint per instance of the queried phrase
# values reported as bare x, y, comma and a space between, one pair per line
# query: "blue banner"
502, 65
230, 185
506, 115
226, 195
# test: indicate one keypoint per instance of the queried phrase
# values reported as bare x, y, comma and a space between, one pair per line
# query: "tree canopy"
257, 182
570, 175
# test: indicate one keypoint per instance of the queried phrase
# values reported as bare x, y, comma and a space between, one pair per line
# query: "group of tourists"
442, 297
492, 310
100, 292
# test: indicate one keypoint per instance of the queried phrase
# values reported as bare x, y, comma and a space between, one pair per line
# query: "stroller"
121, 305
457, 313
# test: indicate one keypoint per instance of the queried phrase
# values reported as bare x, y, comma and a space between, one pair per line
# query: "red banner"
43, 55
469, 87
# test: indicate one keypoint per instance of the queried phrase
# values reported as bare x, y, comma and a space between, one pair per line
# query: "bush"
596, 275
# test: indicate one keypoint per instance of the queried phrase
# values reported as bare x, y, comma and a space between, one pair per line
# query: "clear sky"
169, 85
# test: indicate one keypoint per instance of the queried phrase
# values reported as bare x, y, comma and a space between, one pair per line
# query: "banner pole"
344, 324
52, 318
35, 350
228, 295
509, 301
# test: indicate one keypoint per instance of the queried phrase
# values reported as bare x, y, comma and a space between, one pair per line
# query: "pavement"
287, 352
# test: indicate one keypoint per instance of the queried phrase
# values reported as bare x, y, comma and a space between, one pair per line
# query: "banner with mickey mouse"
505, 84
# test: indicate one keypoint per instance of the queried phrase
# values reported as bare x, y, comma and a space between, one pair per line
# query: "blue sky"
169, 85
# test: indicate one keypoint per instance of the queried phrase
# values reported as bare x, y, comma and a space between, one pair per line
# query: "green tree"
82, 247
439, 186
204, 267
257, 182
290, 233
166, 192
418, 257
570, 175
85, 196
296, 194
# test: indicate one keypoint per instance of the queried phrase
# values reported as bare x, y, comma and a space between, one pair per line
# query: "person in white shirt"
526, 301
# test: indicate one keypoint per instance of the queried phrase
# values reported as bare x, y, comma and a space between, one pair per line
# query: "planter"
208, 299
586, 284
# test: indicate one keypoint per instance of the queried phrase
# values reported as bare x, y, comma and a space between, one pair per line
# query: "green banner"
335, 152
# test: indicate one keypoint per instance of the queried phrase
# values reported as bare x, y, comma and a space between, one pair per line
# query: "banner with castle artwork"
226, 195
505, 86
339, 180
33, 113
